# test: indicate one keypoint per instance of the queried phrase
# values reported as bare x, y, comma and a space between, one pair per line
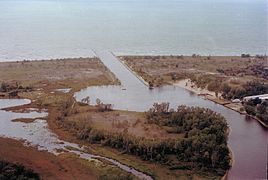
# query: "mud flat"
131, 95
50, 93
29, 118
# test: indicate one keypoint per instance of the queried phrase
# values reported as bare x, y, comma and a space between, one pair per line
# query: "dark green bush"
10, 171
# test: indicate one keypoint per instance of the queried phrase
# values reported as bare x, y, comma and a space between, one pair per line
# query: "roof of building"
262, 97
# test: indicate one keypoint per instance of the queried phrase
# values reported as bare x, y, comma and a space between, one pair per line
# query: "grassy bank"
159, 147
39, 81
218, 78
109, 133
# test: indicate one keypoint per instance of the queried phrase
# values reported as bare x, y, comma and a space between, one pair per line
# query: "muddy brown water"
247, 140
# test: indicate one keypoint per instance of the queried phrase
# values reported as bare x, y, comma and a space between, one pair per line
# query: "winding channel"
38, 134
247, 140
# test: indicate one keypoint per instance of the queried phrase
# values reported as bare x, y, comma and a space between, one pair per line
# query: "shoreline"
209, 95
200, 92
257, 119
133, 72
205, 93
55, 128
51, 87
231, 154
117, 54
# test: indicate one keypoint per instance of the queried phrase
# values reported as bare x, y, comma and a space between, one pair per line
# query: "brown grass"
47, 76
132, 123
160, 69
47, 165
52, 74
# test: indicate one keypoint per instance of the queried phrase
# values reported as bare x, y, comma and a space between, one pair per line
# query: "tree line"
257, 107
205, 139
204, 145
248, 89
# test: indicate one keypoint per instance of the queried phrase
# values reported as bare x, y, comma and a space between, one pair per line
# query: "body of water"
248, 139
44, 29
38, 134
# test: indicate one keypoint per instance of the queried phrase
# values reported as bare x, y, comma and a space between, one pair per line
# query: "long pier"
127, 77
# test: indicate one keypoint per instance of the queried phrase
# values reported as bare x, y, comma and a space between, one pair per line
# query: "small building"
263, 97
236, 101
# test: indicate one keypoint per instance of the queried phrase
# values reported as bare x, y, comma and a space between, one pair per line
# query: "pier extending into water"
247, 139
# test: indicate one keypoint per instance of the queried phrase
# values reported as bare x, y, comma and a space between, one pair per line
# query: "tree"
86, 100
3, 87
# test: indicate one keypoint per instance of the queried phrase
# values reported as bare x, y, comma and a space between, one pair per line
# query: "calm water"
248, 139
44, 29
38, 134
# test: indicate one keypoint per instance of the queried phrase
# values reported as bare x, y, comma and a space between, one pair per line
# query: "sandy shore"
45, 94
187, 84
209, 95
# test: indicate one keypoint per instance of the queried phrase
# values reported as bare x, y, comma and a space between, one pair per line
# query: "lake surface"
248, 139
44, 29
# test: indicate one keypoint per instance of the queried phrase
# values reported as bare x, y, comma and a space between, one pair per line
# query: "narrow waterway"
247, 140
38, 134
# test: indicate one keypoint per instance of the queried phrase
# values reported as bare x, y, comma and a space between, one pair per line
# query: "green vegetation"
12, 89
205, 140
245, 55
203, 145
6, 87
234, 77
248, 89
9, 171
257, 107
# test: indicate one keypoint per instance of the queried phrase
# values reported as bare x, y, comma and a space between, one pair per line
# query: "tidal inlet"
134, 89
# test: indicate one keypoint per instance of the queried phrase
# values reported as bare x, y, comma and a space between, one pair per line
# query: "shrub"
15, 171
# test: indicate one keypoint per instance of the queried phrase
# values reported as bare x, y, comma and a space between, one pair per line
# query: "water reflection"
248, 139
38, 134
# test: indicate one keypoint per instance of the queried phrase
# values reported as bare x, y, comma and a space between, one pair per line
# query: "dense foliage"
248, 89
9, 171
205, 139
257, 107
7, 87
203, 144
260, 71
